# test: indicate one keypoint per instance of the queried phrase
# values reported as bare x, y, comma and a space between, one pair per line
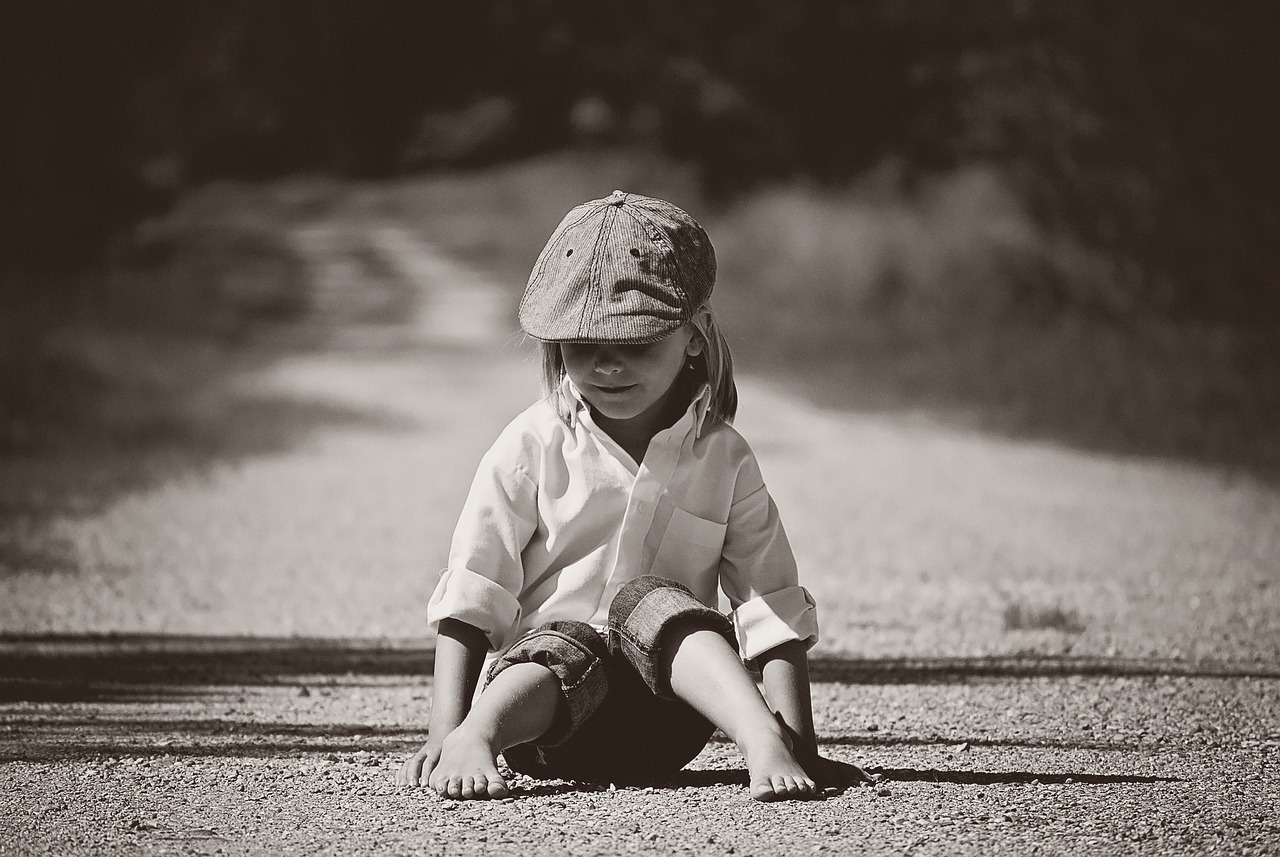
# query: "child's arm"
460, 651
785, 671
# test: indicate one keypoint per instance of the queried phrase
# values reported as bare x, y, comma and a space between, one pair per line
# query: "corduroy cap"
624, 269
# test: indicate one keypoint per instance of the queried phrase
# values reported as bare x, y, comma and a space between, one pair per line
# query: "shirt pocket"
690, 550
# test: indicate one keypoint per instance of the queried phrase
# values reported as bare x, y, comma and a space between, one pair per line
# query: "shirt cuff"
779, 617
475, 599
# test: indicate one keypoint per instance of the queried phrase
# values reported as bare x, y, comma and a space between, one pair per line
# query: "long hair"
714, 366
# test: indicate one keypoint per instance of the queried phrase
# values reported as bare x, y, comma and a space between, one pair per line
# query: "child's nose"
607, 361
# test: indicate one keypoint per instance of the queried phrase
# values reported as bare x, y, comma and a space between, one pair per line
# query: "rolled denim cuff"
779, 617
475, 599
642, 615
576, 654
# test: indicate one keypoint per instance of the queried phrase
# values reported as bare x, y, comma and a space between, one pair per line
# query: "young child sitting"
584, 570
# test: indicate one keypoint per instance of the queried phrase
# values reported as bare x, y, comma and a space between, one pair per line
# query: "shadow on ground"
47, 735
707, 778
70, 667
889, 775
95, 696
53, 738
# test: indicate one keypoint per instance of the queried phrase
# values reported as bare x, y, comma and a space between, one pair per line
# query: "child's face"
622, 382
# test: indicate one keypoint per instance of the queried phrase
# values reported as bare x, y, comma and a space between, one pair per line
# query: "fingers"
832, 774
860, 777
851, 775
410, 772
417, 769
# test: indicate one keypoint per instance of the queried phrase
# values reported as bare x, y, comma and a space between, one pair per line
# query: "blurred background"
999, 277
1051, 219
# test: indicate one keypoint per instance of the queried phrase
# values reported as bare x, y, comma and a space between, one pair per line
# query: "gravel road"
220, 649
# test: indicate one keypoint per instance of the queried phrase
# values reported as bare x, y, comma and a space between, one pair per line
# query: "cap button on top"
617, 197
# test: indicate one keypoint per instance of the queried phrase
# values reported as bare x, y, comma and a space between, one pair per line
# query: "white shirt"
559, 517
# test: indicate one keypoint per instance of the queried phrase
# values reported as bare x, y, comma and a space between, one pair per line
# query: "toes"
801, 788
763, 790
473, 787
783, 787
483, 786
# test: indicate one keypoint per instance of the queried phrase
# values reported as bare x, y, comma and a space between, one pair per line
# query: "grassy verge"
135, 353
949, 300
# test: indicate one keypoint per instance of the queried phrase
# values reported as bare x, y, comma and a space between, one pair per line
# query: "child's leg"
542, 689
706, 672
681, 649
519, 705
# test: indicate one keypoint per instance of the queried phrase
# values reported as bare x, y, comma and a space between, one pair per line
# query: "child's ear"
697, 338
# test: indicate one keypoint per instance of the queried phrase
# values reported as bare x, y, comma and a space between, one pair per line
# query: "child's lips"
614, 390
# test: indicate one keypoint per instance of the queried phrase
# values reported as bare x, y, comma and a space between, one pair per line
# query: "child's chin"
617, 413
618, 409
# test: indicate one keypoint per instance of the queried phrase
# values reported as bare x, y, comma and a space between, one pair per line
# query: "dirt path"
1043, 649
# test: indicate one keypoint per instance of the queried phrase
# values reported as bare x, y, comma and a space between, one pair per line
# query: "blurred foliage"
1139, 130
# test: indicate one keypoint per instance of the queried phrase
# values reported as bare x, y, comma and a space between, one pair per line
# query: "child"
597, 531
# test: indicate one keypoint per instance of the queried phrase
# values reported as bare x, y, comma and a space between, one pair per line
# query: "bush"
878, 265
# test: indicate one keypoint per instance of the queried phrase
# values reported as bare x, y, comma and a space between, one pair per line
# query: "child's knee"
636, 595
648, 616
575, 655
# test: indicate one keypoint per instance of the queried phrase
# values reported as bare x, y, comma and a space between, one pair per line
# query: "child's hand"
417, 768
828, 773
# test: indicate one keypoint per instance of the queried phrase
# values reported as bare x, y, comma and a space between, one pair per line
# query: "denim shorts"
623, 723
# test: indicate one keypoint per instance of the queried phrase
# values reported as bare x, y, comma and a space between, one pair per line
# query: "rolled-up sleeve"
469, 597
758, 573
776, 618
482, 583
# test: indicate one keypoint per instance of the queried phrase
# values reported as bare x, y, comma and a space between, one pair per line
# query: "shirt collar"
699, 407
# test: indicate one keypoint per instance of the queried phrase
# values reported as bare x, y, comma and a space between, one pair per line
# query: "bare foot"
773, 770
468, 768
